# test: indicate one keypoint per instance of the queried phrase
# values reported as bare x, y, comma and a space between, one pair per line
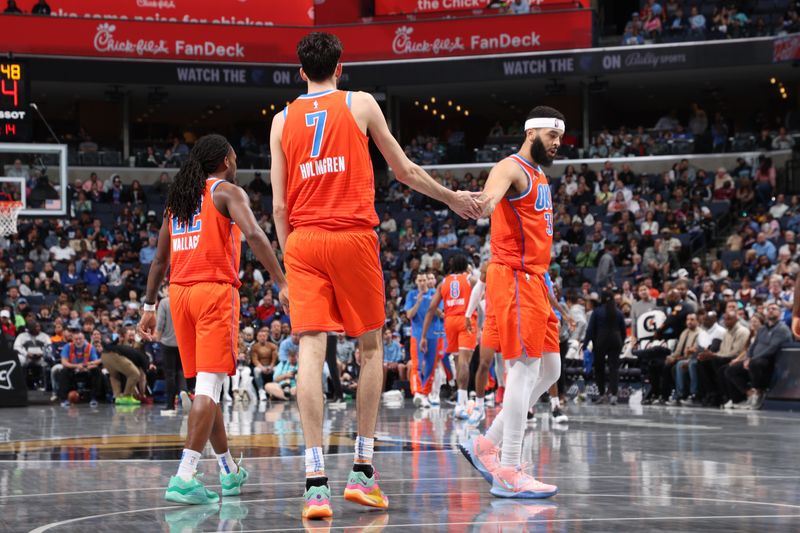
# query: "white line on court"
400, 480
47, 527
535, 521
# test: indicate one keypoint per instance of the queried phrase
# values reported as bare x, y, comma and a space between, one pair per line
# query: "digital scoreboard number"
15, 113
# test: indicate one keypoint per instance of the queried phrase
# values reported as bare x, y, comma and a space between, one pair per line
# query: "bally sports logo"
104, 42
403, 44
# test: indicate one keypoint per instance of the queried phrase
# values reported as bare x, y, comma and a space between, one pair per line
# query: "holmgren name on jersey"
325, 165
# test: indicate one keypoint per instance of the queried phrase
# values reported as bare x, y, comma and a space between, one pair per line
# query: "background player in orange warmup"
200, 241
323, 204
518, 197
455, 291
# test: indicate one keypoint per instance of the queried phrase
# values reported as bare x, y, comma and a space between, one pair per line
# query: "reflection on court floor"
617, 470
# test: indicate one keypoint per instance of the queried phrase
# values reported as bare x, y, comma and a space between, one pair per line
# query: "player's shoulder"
510, 166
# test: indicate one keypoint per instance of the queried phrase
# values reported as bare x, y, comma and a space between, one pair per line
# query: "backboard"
42, 168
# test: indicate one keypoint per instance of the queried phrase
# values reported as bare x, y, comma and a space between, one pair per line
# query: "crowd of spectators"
613, 228
674, 20
697, 132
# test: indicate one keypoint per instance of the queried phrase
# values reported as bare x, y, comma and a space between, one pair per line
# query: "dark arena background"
676, 187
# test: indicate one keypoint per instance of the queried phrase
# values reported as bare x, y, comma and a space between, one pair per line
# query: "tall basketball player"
518, 198
324, 195
200, 241
455, 291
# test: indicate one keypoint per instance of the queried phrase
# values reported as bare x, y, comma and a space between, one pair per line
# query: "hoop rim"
9, 205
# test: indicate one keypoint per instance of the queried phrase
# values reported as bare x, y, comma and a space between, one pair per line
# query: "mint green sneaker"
191, 492
232, 483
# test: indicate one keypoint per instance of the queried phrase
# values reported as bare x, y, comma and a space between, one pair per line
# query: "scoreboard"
15, 112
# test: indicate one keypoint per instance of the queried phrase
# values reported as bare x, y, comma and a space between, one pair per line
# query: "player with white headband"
517, 195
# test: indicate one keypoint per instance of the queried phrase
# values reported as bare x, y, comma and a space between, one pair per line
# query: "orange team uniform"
522, 235
332, 263
455, 291
204, 287
490, 338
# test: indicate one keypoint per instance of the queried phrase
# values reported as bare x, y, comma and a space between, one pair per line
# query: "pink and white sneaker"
482, 455
513, 482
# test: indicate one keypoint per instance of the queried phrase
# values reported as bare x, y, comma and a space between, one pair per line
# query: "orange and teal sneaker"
317, 503
364, 490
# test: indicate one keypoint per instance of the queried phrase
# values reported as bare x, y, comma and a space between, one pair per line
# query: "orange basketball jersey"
522, 225
456, 291
330, 183
208, 248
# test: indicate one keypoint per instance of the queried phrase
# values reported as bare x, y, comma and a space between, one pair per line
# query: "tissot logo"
6, 368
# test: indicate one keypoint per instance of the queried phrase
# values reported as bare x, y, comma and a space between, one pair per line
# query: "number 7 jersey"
330, 184
522, 225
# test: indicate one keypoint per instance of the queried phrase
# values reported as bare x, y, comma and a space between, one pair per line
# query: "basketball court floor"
652, 469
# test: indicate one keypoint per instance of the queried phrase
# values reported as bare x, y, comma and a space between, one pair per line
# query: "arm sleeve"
475, 297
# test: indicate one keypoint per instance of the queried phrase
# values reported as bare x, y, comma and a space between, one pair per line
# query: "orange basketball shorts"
551, 341
206, 321
458, 338
490, 337
521, 309
335, 281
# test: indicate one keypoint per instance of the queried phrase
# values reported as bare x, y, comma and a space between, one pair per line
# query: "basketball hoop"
9, 211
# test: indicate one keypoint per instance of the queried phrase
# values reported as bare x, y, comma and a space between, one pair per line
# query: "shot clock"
15, 113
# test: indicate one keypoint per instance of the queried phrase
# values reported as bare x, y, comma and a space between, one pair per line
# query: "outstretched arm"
233, 201
407, 172
502, 177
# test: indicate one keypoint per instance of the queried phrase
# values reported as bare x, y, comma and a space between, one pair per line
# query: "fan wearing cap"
9, 329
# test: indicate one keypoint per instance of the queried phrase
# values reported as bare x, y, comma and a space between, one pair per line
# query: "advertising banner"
249, 44
246, 12
400, 7
786, 48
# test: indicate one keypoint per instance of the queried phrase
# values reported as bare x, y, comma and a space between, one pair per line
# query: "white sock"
462, 397
495, 431
188, 466
479, 402
364, 448
315, 462
520, 381
226, 463
554, 402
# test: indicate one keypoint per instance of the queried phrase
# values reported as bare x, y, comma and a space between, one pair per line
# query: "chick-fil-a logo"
104, 42
402, 44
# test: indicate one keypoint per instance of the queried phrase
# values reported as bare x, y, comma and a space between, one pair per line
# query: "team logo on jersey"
316, 104
544, 200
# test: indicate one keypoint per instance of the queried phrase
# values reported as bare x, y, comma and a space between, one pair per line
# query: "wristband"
149, 308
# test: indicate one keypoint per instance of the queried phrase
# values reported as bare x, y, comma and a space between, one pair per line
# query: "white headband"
552, 123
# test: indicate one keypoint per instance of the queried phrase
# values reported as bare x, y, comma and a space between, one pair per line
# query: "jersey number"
317, 121
455, 289
548, 218
179, 228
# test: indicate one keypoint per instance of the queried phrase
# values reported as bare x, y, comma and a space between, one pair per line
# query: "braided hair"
186, 190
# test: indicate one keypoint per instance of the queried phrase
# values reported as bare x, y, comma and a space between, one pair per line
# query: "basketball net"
9, 211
